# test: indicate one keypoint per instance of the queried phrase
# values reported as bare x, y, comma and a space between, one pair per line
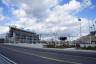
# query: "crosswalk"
5, 60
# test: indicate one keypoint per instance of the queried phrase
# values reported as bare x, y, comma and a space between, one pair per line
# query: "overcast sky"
48, 16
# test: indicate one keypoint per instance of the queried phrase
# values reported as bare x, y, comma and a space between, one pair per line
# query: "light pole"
54, 39
69, 35
40, 38
80, 29
89, 32
94, 27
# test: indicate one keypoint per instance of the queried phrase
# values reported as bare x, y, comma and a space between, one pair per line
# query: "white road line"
72, 55
6, 58
44, 57
54, 59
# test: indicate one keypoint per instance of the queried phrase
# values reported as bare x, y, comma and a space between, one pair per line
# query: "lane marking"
4, 60
85, 57
43, 56
7, 59
70, 54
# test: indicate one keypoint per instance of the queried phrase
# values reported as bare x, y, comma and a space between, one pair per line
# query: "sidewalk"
40, 46
71, 49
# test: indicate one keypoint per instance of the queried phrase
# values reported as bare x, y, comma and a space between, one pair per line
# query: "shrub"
89, 48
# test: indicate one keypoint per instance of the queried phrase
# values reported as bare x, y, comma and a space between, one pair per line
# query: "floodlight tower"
80, 28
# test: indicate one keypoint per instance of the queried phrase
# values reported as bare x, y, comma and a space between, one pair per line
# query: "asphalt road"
22, 55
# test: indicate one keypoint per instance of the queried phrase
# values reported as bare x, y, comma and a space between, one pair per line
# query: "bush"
50, 46
60, 46
89, 48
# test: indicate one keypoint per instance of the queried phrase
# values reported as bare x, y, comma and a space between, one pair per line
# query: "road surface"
22, 55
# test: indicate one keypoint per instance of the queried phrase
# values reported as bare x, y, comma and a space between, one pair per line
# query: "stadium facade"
16, 35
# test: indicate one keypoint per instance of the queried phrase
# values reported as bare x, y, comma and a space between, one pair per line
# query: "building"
2, 40
17, 35
88, 40
93, 37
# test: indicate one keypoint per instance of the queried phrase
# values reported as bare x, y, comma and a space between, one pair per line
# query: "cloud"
19, 13
87, 3
3, 29
83, 5
56, 20
2, 17
36, 8
47, 16
72, 5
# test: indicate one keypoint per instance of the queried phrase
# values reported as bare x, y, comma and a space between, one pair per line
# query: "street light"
93, 27
80, 28
89, 32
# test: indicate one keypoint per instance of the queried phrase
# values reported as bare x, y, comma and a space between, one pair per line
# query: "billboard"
62, 38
